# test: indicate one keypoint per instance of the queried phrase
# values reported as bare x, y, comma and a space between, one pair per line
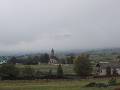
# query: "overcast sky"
33, 25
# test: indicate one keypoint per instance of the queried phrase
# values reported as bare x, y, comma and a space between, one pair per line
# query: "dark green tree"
70, 59
50, 74
28, 72
83, 66
9, 71
44, 58
59, 71
29, 60
38, 74
35, 60
13, 60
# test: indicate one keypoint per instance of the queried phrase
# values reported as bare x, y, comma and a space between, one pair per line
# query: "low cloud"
64, 24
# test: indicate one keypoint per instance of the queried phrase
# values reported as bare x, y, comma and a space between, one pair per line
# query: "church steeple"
52, 53
53, 59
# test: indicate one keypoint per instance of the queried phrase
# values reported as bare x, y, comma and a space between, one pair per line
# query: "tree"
9, 71
38, 74
62, 61
112, 81
13, 60
82, 65
28, 72
50, 73
59, 71
44, 58
70, 59
35, 60
31, 61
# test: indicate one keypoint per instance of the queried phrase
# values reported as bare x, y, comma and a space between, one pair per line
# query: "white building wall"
3, 61
103, 72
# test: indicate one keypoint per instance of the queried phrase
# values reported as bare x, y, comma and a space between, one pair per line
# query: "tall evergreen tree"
59, 71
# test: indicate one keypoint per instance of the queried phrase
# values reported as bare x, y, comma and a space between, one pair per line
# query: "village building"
101, 68
53, 58
3, 59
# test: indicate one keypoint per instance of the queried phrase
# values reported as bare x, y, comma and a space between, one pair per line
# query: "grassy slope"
48, 85
68, 69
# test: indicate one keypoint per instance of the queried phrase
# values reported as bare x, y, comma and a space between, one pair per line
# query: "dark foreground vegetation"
11, 72
82, 68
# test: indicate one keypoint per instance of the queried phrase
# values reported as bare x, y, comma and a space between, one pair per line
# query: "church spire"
52, 53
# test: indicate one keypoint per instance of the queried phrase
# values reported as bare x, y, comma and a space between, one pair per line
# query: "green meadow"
68, 69
50, 85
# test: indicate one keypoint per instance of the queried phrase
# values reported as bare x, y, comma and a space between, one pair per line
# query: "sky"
34, 25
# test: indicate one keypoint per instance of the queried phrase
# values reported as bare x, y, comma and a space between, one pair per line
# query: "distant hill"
105, 51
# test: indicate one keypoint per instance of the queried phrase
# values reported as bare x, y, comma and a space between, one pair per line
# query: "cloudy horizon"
33, 25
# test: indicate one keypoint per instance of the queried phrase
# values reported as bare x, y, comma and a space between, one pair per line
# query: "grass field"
49, 85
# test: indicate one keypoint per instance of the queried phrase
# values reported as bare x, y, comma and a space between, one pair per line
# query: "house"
53, 58
101, 68
3, 59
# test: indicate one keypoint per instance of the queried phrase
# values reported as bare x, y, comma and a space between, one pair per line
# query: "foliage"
50, 73
13, 60
44, 58
9, 71
28, 72
30, 60
36, 59
83, 66
112, 82
94, 84
59, 71
70, 59
38, 74
62, 61
91, 84
99, 85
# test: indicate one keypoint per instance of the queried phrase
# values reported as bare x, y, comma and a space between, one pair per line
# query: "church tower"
52, 57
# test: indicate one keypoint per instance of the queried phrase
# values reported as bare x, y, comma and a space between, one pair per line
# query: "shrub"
59, 71
50, 73
38, 74
112, 82
91, 84
28, 72
9, 71
101, 85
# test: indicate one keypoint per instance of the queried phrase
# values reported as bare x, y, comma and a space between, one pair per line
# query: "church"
53, 58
